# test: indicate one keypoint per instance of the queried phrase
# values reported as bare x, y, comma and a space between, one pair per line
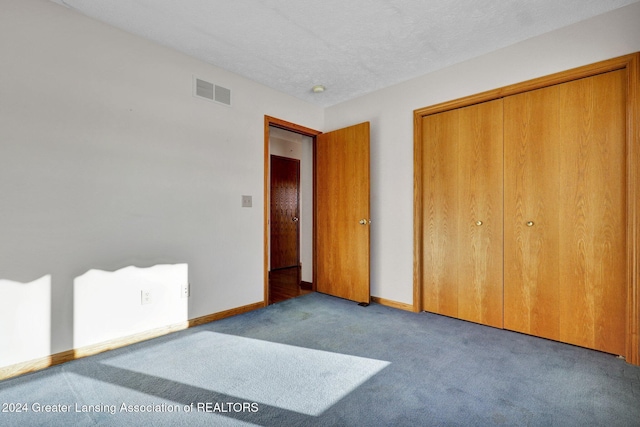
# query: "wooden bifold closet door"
463, 213
565, 225
523, 212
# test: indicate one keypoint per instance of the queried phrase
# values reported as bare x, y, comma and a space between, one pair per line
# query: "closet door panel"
440, 214
531, 228
592, 204
480, 239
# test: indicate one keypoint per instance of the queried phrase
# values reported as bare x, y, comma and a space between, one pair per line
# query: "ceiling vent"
211, 92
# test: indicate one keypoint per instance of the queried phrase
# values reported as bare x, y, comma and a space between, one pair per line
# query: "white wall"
113, 304
26, 312
107, 161
391, 114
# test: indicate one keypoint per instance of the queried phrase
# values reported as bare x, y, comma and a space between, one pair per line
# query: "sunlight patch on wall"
25, 320
110, 305
293, 378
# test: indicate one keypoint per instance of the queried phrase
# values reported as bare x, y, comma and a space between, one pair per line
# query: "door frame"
630, 63
292, 127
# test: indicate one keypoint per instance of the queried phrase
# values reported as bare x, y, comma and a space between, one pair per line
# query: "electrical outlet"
247, 201
184, 292
145, 297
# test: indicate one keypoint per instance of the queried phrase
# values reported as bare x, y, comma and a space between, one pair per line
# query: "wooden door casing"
270, 122
284, 212
342, 203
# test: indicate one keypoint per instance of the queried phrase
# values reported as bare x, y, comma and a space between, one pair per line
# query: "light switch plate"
247, 201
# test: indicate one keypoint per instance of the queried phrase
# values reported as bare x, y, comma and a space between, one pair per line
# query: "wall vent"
211, 92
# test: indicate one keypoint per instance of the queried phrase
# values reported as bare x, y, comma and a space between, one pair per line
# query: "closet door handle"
529, 223
478, 223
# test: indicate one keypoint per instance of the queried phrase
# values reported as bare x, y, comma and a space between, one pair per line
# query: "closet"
565, 205
524, 219
463, 216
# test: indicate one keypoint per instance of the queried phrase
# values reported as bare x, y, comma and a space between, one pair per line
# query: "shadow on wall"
106, 306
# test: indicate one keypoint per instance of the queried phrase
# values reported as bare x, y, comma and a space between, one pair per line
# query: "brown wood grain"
293, 127
565, 277
342, 201
588, 237
285, 284
393, 304
592, 203
440, 213
621, 62
531, 194
284, 200
480, 239
633, 210
418, 211
462, 252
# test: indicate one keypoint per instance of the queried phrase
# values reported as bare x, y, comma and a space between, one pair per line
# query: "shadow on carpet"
322, 361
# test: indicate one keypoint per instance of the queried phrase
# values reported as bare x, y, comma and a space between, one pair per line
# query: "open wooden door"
342, 213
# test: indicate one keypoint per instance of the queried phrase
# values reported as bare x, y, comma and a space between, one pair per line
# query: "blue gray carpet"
323, 361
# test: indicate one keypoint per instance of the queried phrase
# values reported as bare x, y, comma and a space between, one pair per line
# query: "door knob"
363, 222
529, 223
478, 223
295, 219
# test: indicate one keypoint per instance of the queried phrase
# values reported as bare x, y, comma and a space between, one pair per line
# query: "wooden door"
480, 239
462, 215
440, 213
342, 213
285, 212
593, 212
565, 204
532, 228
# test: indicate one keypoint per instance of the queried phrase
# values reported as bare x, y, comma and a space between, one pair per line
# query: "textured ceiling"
350, 46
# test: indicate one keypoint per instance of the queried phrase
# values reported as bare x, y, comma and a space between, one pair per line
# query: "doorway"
285, 275
288, 209
338, 238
